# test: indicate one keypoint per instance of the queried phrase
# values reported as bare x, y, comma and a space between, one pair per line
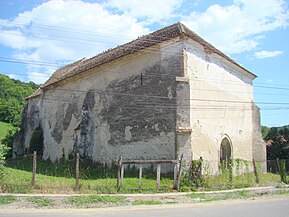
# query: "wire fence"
86, 176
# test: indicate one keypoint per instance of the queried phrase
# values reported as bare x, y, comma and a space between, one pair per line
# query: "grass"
7, 199
19, 181
245, 180
92, 199
283, 192
221, 196
146, 202
40, 201
96, 179
4, 128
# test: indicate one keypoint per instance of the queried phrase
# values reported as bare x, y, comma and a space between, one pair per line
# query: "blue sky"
38, 36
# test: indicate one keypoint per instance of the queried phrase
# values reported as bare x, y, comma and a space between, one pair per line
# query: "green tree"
265, 130
279, 139
12, 98
8, 142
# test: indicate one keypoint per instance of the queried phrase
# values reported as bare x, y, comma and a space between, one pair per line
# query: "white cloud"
149, 11
269, 81
267, 54
59, 31
39, 77
13, 76
241, 26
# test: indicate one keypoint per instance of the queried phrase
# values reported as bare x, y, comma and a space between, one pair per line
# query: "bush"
8, 142
3, 151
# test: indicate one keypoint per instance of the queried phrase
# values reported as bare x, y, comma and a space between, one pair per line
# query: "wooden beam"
148, 161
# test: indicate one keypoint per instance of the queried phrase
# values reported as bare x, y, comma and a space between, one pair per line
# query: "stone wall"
125, 107
29, 122
259, 145
220, 105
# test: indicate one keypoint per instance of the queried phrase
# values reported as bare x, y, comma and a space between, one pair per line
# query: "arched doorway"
225, 152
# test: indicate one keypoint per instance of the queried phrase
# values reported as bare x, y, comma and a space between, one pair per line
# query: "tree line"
12, 98
277, 139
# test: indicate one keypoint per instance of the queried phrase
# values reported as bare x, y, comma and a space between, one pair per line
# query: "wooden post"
77, 171
278, 166
140, 176
158, 176
255, 172
34, 168
201, 167
230, 172
180, 172
122, 173
175, 186
119, 168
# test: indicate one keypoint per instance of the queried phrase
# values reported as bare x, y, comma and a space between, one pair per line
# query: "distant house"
162, 95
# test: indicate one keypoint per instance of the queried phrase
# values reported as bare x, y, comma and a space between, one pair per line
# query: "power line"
165, 75
156, 96
38, 63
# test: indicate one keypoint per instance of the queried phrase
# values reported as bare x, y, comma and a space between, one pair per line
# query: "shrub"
8, 142
3, 151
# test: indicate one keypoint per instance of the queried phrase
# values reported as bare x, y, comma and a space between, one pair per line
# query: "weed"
194, 196
83, 200
40, 201
147, 202
7, 199
282, 186
221, 196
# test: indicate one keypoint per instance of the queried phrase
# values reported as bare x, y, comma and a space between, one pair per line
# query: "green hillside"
4, 128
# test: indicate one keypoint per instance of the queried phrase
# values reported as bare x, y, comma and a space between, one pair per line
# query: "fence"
177, 170
82, 176
76, 170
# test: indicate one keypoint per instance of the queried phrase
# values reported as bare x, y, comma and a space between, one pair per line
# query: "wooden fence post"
119, 172
180, 171
77, 171
175, 186
255, 172
278, 166
34, 162
140, 176
158, 176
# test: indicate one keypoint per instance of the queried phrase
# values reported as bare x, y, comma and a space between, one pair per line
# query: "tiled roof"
141, 43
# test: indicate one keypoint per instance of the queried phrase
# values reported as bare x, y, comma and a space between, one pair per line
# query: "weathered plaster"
108, 111
220, 104
178, 99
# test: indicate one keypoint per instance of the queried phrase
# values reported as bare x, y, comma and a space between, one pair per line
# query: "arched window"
225, 151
